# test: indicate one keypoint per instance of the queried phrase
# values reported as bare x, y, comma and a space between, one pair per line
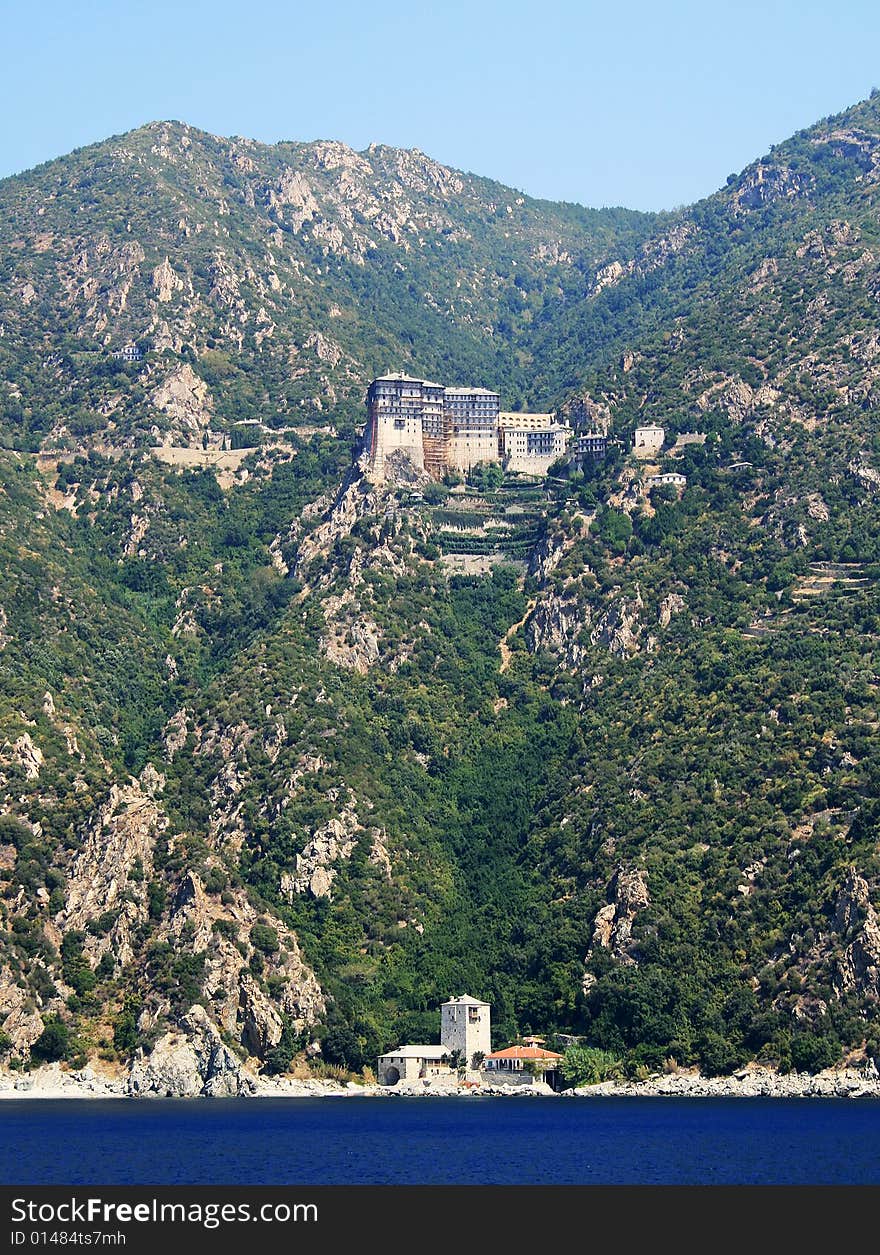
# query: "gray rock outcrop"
112, 866
185, 399
188, 1061
612, 927
354, 501
263, 1025
355, 646
20, 1018
24, 754
856, 920
165, 281
766, 182
221, 932
670, 606
314, 872
619, 627
555, 626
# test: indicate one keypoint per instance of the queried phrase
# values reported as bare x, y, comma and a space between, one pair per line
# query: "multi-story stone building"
519, 420
589, 446
128, 353
438, 428
442, 429
531, 443
472, 414
399, 409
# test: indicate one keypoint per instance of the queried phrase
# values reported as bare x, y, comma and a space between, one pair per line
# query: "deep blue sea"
433, 1141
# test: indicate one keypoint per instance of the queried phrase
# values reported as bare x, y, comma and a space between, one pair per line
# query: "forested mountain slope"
266, 753
267, 282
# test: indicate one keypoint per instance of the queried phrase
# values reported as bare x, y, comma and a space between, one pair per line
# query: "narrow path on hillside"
506, 652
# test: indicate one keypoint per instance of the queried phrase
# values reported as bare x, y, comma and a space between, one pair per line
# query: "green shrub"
28, 934
14, 832
264, 938
75, 968
102, 923
106, 966
216, 880
588, 1065
54, 1041
279, 1058
125, 1032
157, 898
718, 1056
814, 1053
340, 1046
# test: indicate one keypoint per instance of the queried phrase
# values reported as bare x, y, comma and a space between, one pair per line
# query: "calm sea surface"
425, 1141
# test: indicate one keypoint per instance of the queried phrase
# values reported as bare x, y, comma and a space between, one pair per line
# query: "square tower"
400, 408
465, 1026
648, 441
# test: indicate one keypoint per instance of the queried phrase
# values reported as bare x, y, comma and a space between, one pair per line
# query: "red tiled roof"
524, 1052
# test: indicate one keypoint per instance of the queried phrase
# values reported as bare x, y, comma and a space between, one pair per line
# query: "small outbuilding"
524, 1064
673, 478
412, 1063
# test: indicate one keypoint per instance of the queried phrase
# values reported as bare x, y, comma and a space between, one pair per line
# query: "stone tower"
465, 1026
400, 409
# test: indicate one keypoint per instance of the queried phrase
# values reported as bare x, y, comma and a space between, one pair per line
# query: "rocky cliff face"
125, 905
619, 627
189, 1061
652, 255
224, 934
21, 1014
186, 402
613, 925
24, 754
857, 923
556, 625
356, 500
331, 843
118, 843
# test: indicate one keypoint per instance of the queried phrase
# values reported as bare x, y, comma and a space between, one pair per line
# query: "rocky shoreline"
750, 1083
52, 1082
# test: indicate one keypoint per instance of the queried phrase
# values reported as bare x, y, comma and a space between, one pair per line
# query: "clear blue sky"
645, 104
